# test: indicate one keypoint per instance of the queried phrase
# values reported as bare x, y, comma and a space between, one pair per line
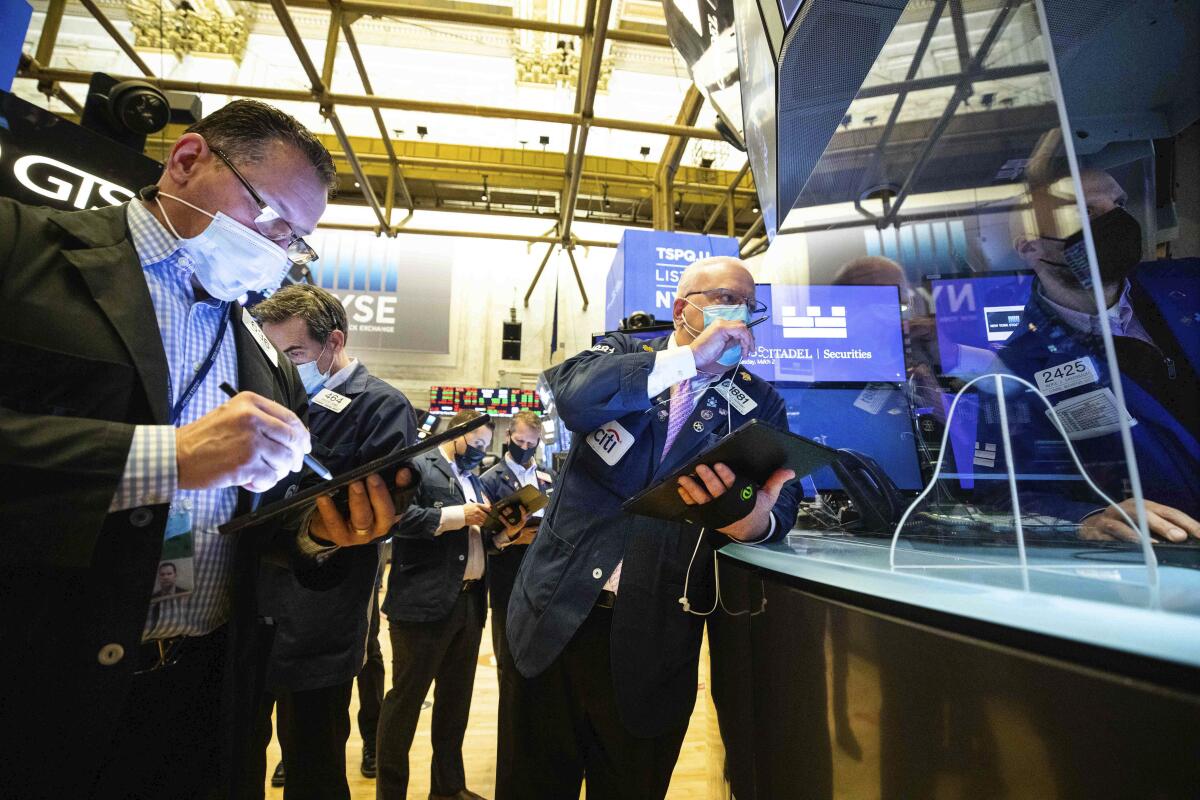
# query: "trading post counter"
956, 673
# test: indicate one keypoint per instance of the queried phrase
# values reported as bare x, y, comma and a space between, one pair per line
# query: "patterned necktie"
681, 406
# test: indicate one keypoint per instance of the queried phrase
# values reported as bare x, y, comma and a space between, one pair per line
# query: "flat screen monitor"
830, 334
874, 421
975, 315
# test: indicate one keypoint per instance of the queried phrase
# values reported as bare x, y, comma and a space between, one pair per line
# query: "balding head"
871, 271
717, 272
1101, 192
707, 275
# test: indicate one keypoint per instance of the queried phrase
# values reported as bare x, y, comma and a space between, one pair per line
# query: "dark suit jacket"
1160, 386
83, 363
499, 482
321, 636
620, 433
427, 570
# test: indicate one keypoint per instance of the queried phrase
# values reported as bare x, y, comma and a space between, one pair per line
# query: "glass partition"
993, 327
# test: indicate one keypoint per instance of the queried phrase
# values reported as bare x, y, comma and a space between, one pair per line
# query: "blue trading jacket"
619, 432
321, 636
1160, 388
499, 482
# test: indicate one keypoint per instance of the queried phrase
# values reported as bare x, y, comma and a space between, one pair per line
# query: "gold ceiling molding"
186, 30
555, 67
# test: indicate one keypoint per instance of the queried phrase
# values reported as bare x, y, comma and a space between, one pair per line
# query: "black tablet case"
384, 464
755, 450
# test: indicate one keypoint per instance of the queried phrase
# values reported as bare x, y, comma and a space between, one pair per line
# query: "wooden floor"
697, 775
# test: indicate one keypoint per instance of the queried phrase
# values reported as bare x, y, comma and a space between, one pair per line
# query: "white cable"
1002, 403
687, 576
1148, 551
719, 602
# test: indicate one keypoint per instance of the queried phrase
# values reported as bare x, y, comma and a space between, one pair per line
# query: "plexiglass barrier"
994, 315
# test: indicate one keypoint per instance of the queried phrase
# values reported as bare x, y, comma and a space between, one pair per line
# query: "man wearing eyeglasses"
606, 614
119, 450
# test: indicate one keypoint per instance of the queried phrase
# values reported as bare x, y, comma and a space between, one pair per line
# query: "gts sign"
64, 183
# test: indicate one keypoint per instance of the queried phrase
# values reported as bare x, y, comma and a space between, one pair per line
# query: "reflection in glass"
950, 185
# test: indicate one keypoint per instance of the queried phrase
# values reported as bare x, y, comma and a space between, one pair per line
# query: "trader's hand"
716, 480
715, 340
249, 441
1165, 524
527, 535
512, 531
372, 512
476, 513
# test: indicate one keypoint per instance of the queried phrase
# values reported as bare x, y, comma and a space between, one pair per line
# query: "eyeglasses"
270, 224
728, 297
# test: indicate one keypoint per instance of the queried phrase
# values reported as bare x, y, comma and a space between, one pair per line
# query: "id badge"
176, 574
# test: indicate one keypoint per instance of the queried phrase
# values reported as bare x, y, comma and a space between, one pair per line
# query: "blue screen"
975, 316
843, 334
874, 421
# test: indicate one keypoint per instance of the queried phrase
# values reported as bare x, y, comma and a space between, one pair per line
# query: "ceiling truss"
420, 175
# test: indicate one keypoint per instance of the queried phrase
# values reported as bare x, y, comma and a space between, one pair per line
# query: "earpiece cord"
718, 602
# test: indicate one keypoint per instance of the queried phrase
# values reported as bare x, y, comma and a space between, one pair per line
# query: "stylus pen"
312, 463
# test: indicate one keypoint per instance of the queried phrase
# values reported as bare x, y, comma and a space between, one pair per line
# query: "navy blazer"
1160, 387
427, 570
320, 637
619, 432
500, 482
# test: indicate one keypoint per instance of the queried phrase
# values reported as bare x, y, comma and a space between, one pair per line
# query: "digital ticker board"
497, 401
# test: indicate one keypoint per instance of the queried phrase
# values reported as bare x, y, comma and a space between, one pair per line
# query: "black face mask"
1118, 239
469, 459
519, 454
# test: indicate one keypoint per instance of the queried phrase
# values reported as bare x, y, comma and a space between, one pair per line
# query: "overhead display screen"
841, 334
497, 401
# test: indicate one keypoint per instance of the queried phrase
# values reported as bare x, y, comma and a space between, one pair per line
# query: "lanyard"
198, 378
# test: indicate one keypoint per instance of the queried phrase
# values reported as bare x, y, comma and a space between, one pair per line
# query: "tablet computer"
336, 488
755, 451
508, 510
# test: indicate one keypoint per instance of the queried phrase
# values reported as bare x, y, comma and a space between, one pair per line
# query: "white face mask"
311, 375
230, 259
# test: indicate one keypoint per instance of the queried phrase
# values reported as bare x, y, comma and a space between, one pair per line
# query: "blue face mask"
739, 313
311, 375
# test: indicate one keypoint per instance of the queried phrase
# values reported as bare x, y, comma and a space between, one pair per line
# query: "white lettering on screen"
82, 185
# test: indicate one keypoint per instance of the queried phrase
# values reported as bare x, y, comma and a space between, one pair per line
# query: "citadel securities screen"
844, 334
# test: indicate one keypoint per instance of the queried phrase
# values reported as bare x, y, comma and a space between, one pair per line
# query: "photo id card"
176, 574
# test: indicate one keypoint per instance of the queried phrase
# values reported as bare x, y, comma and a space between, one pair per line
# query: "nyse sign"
369, 313
396, 298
